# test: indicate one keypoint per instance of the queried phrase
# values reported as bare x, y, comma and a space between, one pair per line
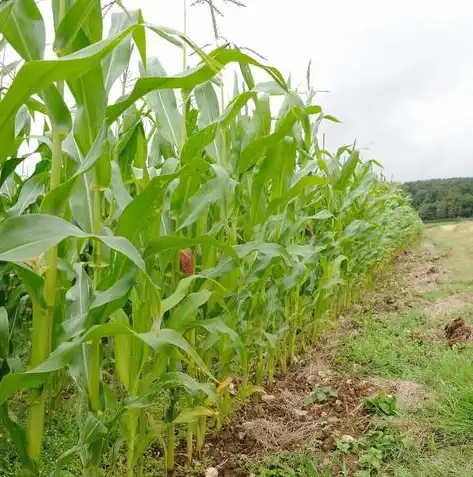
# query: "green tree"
442, 198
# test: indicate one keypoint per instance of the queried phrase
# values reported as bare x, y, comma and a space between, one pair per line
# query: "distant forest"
437, 199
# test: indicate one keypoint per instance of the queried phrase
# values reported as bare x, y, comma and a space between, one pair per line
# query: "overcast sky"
399, 74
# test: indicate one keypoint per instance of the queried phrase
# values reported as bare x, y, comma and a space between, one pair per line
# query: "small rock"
241, 435
347, 438
300, 413
211, 472
338, 403
268, 397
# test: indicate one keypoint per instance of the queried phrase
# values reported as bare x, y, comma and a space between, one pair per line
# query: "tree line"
437, 199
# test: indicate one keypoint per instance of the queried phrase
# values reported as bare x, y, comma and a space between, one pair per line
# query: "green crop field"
170, 250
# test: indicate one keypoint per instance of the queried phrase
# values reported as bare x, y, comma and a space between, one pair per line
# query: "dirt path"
388, 392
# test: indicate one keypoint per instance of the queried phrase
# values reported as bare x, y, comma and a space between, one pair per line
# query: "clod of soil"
458, 331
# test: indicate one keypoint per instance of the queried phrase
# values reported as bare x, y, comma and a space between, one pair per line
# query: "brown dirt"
420, 270
414, 273
458, 331
279, 419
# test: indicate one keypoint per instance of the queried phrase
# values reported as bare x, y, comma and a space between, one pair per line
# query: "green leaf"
203, 137
331, 118
163, 103
28, 236
91, 100
10, 166
32, 188
123, 349
120, 194
71, 24
322, 215
256, 149
252, 153
58, 111
209, 111
54, 202
175, 242
65, 353
144, 209
272, 339
179, 294
215, 326
139, 37
36, 76
93, 26
172, 380
34, 283
35, 377
80, 196
269, 249
207, 101
18, 437
9, 69
154, 339
348, 170
187, 80
22, 25
93, 430
132, 148
109, 300
79, 295
118, 60
187, 308
295, 191
214, 190
4, 333
193, 414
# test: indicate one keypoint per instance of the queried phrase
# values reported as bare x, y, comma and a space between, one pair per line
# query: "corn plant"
189, 245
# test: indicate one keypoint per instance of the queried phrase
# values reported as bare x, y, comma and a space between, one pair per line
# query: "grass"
284, 464
384, 346
62, 434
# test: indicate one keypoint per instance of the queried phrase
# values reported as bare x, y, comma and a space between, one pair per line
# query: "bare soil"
280, 420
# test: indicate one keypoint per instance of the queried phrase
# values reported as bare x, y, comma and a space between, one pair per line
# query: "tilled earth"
283, 418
